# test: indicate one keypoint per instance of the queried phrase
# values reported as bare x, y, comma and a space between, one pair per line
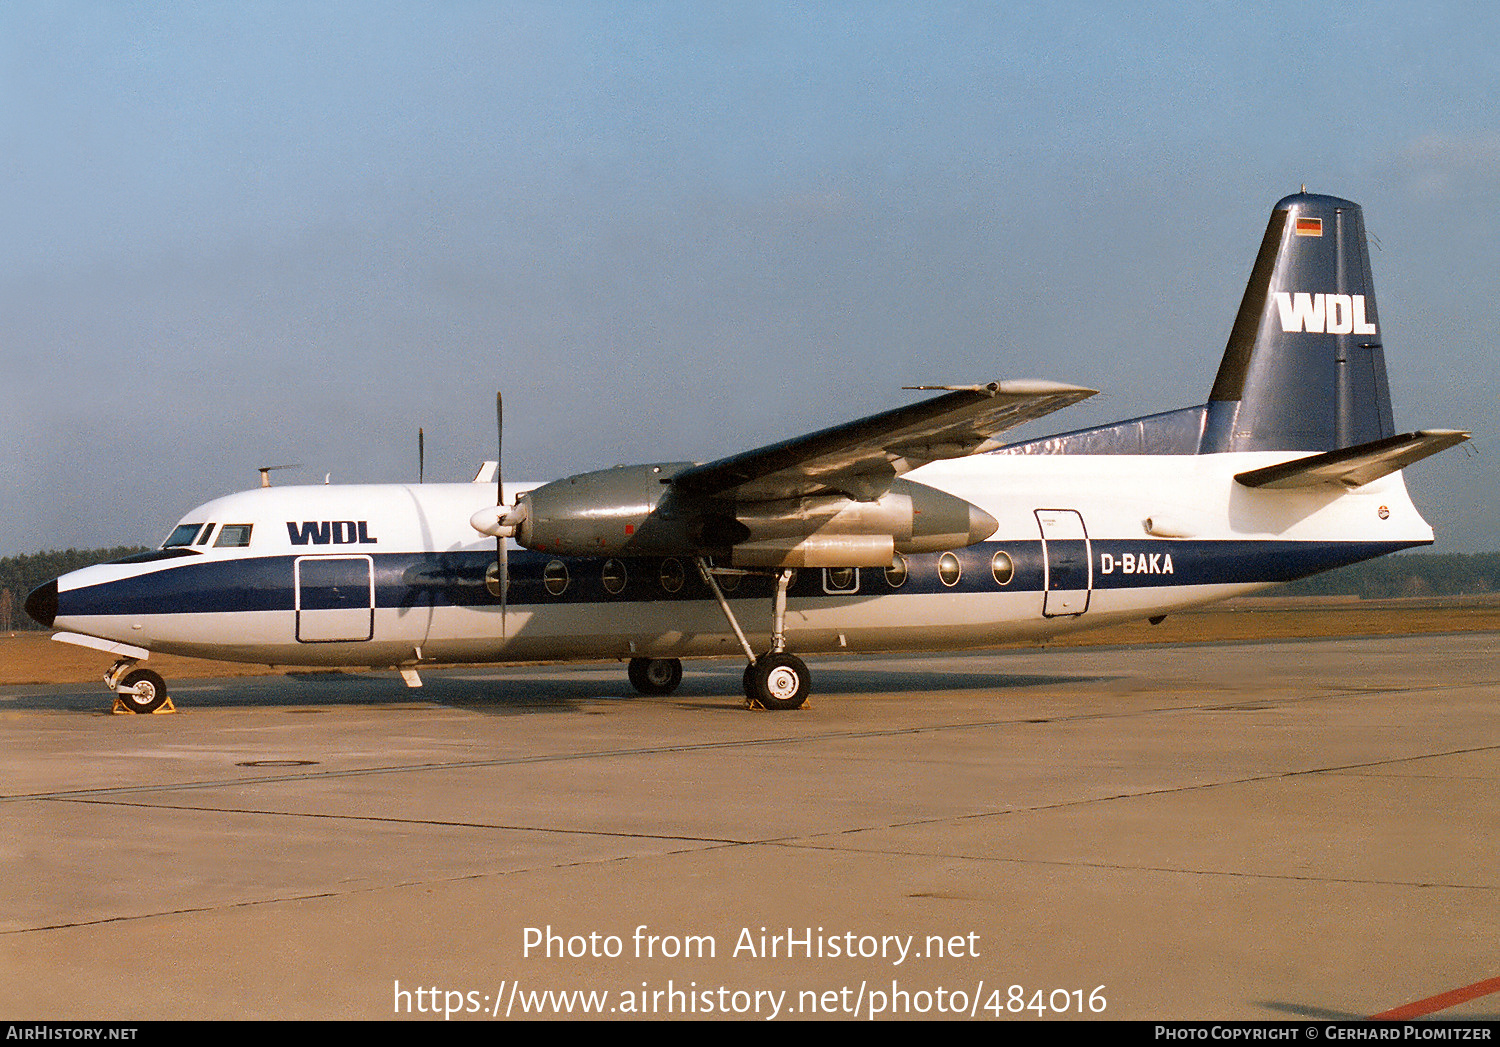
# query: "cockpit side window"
183, 534
208, 529
233, 536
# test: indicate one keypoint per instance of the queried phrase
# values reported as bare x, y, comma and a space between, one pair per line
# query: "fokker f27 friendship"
915, 529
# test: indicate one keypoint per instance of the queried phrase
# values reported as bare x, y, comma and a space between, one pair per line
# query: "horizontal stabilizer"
1354, 466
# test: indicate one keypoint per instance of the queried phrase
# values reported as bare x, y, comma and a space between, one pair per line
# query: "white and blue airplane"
915, 529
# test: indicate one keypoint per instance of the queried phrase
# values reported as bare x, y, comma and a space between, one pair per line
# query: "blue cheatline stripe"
457, 579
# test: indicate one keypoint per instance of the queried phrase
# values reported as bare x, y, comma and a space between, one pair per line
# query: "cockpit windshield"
183, 534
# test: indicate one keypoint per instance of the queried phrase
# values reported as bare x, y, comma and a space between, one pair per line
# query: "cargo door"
335, 598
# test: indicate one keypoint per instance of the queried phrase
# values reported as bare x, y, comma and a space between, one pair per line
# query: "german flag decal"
1309, 227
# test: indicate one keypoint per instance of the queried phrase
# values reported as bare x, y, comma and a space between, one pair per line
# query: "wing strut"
708, 576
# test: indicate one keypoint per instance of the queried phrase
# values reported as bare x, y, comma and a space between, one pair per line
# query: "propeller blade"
502, 551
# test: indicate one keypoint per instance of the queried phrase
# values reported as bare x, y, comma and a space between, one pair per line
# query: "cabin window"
492, 579
672, 575
895, 574
613, 576
233, 536
555, 577
183, 534
949, 569
1002, 568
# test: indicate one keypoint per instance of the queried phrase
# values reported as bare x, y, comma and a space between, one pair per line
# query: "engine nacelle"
835, 531
633, 511
818, 550
624, 511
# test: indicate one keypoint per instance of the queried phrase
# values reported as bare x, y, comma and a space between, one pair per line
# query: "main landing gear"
655, 675
137, 690
776, 680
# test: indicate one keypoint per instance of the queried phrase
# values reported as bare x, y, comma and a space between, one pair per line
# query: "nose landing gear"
137, 690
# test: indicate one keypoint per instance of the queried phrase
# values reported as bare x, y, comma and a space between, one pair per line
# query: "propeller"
502, 520
502, 551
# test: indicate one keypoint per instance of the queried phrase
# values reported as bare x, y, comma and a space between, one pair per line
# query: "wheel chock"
121, 709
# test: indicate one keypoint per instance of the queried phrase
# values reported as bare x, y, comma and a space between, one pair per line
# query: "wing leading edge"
859, 459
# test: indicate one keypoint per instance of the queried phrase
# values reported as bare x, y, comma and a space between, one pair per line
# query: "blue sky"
241, 234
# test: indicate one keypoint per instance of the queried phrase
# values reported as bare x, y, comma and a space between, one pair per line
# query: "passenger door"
1068, 563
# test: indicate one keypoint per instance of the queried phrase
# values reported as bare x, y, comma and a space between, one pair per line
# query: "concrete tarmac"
1292, 830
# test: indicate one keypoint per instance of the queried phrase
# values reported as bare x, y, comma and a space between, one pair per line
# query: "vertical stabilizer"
1304, 369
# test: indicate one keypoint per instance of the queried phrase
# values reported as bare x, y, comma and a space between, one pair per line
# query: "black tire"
152, 691
778, 681
655, 675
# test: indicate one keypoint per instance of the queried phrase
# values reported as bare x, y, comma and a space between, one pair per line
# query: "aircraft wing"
860, 458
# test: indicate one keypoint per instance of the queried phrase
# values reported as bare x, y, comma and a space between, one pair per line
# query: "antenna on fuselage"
265, 471
421, 452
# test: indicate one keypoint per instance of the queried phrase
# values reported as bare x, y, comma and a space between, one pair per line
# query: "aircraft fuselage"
392, 575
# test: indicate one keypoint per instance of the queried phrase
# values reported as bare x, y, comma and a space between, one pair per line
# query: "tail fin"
1304, 369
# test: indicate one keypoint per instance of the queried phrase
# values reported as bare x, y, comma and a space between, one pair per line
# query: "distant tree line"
21, 574
1405, 574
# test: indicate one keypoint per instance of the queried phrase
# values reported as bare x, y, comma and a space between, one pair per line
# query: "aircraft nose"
41, 604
